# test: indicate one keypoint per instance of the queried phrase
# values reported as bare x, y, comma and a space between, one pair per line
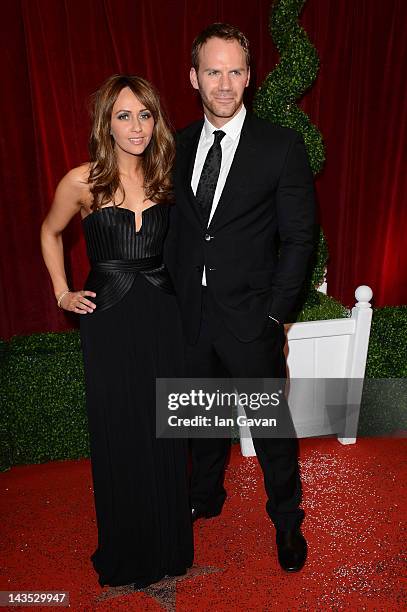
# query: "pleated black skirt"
140, 482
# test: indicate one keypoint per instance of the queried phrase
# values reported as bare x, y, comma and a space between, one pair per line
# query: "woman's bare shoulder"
78, 177
74, 185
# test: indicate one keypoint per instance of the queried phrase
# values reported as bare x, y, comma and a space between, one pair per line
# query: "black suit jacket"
257, 247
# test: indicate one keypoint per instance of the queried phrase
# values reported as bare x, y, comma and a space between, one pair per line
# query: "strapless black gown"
133, 336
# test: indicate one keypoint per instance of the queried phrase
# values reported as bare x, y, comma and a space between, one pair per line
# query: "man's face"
221, 79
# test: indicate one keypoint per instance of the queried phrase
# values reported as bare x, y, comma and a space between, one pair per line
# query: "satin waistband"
128, 265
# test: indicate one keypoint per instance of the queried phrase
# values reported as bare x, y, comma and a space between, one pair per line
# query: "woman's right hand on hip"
76, 301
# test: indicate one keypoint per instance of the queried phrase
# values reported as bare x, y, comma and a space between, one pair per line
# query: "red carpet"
355, 502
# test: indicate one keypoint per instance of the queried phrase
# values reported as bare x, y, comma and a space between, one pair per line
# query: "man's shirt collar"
232, 128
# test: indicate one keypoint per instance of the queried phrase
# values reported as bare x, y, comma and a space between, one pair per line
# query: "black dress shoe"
292, 549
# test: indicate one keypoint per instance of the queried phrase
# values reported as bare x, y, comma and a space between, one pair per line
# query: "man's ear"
193, 77
248, 77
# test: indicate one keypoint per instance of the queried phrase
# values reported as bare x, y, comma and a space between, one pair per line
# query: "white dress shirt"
229, 144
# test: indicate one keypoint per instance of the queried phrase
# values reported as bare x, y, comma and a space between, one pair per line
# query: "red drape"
56, 53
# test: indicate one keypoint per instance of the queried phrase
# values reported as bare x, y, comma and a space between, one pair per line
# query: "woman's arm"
68, 200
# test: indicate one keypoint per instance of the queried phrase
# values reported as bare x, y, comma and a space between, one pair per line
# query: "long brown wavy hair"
157, 159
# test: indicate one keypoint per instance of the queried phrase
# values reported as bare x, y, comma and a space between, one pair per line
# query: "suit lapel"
186, 153
236, 179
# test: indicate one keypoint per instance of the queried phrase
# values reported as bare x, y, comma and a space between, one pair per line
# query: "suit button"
208, 237
212, 269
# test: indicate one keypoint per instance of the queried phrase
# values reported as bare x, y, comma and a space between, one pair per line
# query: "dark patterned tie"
209, 177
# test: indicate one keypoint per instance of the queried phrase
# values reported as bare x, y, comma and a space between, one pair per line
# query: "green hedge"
387, 357
5, 448
43, 415
383, 409
320, 306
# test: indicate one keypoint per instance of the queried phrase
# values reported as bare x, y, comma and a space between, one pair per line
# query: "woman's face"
132, 125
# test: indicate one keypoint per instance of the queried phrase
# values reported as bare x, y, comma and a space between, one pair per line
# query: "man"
241, 183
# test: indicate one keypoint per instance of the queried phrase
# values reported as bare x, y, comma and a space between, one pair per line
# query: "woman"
130, 332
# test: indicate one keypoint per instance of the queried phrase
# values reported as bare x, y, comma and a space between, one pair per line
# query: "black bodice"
117, 252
